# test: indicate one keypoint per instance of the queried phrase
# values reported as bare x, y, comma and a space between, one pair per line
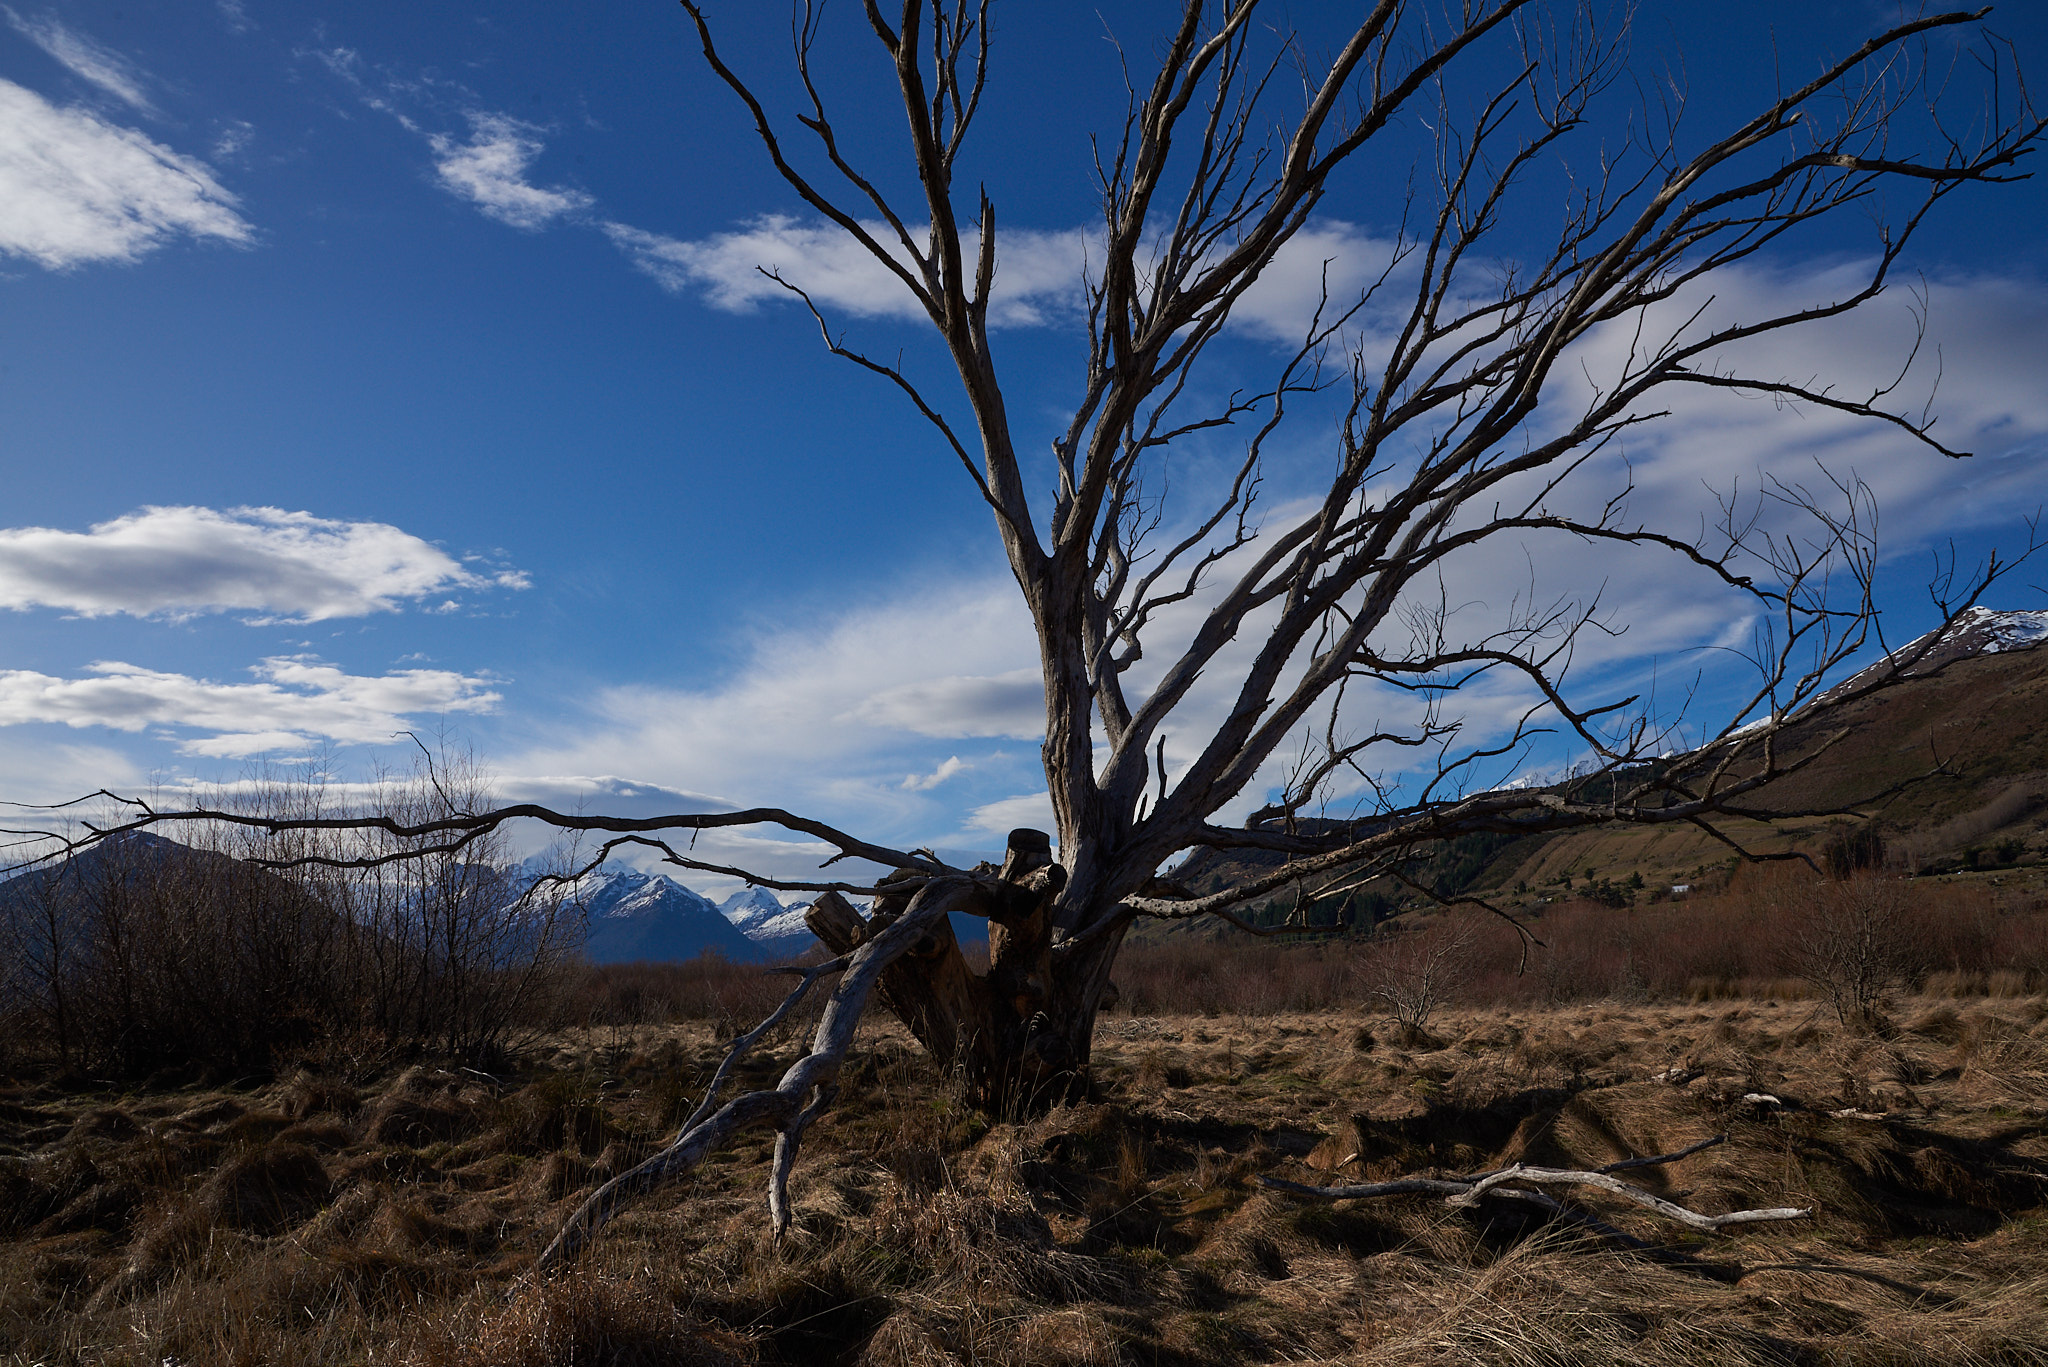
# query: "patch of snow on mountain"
2005, 630
751, 907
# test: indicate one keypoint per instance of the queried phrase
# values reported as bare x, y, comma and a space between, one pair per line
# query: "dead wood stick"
1521, 1172
1466, 1192
1407, 1186
1625, 1164
741, 1046
1686, 1152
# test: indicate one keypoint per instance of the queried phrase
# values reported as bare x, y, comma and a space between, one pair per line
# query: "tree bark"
1018, 1034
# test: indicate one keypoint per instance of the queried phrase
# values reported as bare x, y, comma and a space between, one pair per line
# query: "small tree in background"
1853, 940
1415, 973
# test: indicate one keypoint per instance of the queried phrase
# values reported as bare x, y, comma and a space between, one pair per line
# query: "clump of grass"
590, 1321
267, 1189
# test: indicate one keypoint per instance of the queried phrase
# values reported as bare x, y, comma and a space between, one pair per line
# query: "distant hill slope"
1971, 741
1973, 732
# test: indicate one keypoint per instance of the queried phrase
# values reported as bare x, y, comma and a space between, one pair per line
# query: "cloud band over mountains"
295, 703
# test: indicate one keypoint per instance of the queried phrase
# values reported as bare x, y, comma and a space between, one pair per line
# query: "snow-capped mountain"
1978, 631
775, 928
634, 916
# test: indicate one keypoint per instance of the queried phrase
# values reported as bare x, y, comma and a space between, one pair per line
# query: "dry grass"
389, 1218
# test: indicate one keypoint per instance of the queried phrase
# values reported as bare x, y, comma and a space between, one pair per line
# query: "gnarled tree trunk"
1020, 1033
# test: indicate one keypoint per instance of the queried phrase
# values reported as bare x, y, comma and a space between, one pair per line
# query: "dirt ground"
389, 1217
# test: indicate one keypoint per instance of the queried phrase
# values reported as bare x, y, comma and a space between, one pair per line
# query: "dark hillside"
1970, 740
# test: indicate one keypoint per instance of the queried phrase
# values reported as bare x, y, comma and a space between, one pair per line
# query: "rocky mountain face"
634, 916
777, 930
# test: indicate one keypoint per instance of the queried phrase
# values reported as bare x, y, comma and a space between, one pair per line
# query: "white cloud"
924, 783
179, 561
295, 703
45, 769
490, 171
1038, 274
1331, 255
798, 725
233, 139
75, 188
1001, 817
1010, 704
84, 58
1038, 280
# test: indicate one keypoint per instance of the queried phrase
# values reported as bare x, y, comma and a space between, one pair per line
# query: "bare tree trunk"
1020, 1032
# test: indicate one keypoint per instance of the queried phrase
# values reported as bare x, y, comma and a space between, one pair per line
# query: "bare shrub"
709, 987
1187, 974
154, 953
1853, 941
454, 952
1413, 973
229, 955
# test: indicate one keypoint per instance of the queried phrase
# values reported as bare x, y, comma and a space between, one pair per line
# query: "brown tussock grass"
390, 1218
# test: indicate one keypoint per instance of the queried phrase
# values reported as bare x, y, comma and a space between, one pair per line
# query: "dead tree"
1477, 403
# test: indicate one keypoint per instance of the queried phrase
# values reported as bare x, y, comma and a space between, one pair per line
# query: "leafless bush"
1187, 974
708, 987
453, 951
153, 952
1415, 972
1853, 941
225, 954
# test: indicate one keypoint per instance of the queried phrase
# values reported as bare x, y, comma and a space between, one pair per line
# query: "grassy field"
388, 1217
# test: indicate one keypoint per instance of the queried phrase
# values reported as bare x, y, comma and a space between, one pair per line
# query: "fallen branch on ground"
804, 1091
1468, 1191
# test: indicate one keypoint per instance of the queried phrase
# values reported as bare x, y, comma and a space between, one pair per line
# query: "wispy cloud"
233, 139
181, 561
958, 706
924, 783
797, 725
1039, 272
84, 58
489, 170
1007, 814
75, 188
295, 703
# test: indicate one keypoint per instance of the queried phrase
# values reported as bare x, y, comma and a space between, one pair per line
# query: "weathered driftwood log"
804, 1090
1469, 1191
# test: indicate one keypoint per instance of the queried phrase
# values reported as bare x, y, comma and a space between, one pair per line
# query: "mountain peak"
751, 903
1975, 631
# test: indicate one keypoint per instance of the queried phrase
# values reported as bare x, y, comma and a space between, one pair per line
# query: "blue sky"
405, 366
